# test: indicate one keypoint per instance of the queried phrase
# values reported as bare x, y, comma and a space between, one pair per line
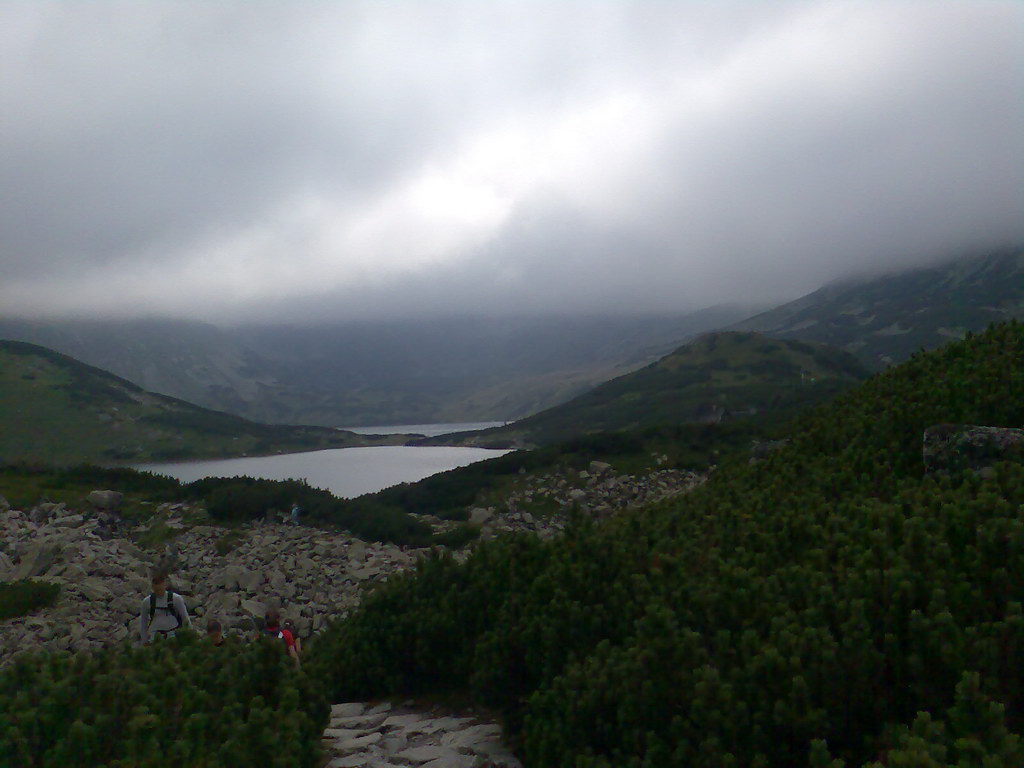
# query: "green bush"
459, 536
20, 597
183, 702
801, 610
242, 499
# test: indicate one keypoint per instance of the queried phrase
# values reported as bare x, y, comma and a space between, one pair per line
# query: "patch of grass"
18, 598
157, 534
459, 536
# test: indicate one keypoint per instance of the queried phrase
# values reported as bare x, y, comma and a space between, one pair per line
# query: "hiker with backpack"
272, 628
163, 611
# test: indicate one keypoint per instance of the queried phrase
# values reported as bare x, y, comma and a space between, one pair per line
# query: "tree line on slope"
800, 611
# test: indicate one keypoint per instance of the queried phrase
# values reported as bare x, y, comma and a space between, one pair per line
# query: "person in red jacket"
272, 628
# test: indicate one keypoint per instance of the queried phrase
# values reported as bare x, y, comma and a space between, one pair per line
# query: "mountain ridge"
719, 375
885, 319
351, 374
59, 410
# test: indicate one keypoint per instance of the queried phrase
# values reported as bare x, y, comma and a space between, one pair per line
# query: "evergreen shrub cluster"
182, 702
20, 597
241, 499
833, 605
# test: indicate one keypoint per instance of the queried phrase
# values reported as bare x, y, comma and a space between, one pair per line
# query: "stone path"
380, 736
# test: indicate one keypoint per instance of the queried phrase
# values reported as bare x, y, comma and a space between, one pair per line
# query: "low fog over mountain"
238, 162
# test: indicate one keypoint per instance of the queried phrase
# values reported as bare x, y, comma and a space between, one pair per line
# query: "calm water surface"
345, 472
427, 430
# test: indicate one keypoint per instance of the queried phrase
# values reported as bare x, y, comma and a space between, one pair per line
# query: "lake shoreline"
344, 472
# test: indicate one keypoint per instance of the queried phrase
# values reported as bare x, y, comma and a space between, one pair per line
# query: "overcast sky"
239, 160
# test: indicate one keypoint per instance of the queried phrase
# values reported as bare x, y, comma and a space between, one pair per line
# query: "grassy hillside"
831, 606
57, 410
719, 376
887, 319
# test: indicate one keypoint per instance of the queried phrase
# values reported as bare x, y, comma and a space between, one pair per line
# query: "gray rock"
107, 500
469, 738
344, 734
598, 467
39, 515
403, 721
348, 709
35, 562
231, 575
480, 515
277, 580
357, 722
69, 521
425, 754
357, 552
348, 746
254, 608
956, 447
250, 581
94, 589
352, 761
455, 761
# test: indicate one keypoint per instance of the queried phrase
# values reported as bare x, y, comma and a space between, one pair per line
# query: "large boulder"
480, 515
94, 590
254, 608
36, 560
231, 577
956, 447
105, 500
250, 581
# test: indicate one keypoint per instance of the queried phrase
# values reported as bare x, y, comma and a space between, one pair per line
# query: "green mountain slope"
717, 376
55, 409
887, 319
834, 601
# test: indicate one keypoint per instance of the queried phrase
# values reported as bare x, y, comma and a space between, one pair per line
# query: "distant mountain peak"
885, 319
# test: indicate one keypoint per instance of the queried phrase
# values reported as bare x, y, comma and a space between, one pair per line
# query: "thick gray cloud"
245, 160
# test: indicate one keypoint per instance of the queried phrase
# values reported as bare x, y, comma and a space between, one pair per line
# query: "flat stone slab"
344, 734
454, 761
352, 761
426, 754
403, 721
469, 738
405, 736
348, 746
359, 722
349, 709
445, 724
